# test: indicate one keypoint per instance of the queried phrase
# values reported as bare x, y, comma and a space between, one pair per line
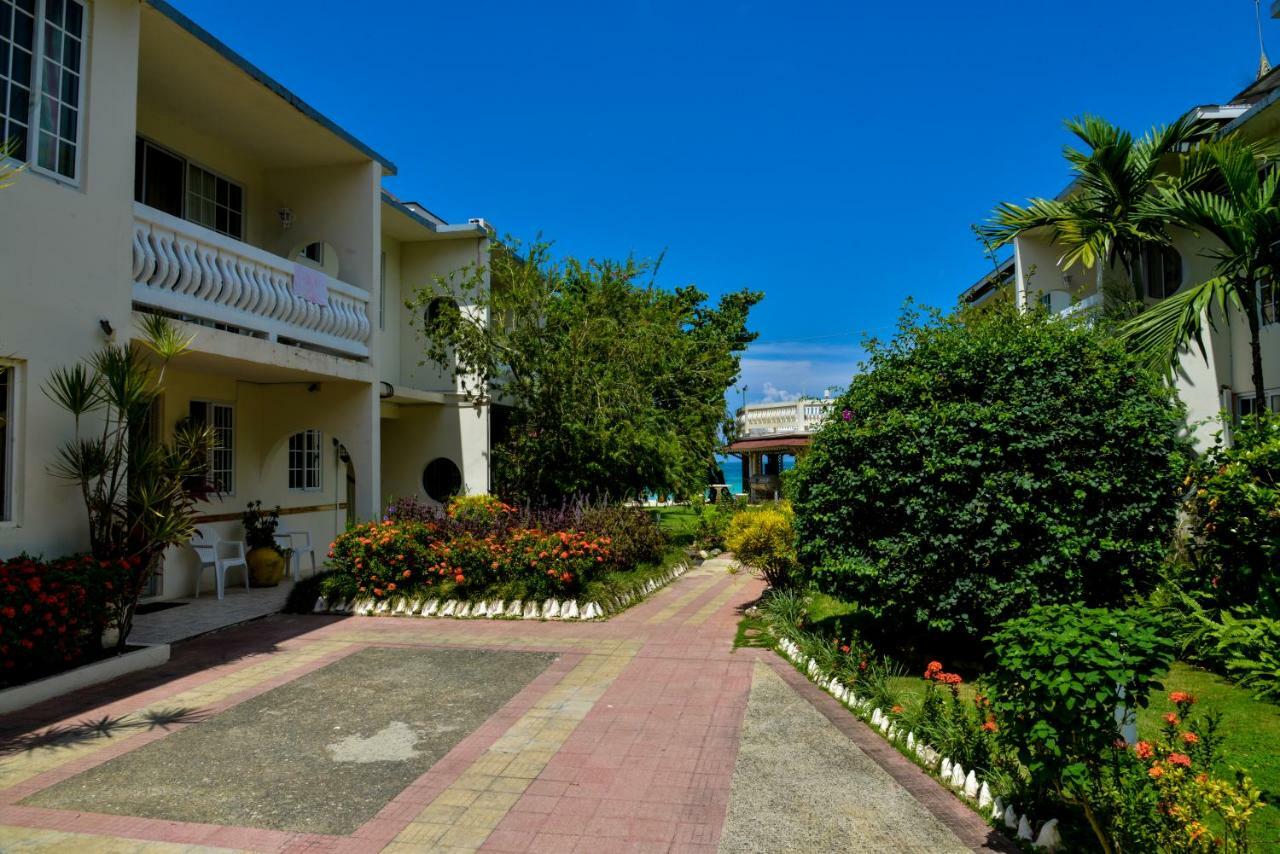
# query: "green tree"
981, 465
615, 386
139, 491
1103, 216
1230, 189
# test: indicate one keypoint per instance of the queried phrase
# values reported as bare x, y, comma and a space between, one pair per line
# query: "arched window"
441, 479
1161, 271
440, 308
304, 461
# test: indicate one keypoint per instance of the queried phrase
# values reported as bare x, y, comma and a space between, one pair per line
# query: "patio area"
189, 618
648, 732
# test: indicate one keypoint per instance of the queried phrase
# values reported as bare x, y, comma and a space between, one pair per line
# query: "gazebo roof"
777, 442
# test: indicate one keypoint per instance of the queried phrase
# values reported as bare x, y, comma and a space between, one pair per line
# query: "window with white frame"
167, 181
1247, 404
8, 434
304, 461
1269, 302
222, 457
41, 91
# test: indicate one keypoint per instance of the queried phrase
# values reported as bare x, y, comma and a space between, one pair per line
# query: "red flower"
989, 726
1190, 737
1180, 759
1181, 697
1144, 750
1170, 718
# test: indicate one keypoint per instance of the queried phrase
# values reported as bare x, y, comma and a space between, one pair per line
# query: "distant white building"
767, 432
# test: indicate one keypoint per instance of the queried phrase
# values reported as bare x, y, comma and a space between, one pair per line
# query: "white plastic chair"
300, 542
210, 551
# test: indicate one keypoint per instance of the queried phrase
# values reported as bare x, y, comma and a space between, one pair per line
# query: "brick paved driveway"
627, 741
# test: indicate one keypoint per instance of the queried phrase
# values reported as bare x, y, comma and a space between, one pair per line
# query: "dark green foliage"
615, 386
982, 465
302, 598
1057, 676
1234, 520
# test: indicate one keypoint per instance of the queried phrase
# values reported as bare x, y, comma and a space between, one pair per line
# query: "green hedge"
982, 465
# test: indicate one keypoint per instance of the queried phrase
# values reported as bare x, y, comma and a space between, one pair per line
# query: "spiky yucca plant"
139, 491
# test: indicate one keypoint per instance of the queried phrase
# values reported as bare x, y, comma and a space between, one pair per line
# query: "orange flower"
1180, 759
1155, 771
989, 726
1143, 749
1182, 697
1190, 737
1170, 718
897, 710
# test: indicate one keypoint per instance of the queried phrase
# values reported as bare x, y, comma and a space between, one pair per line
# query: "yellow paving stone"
492, 800
457, 797
701, 584
483, 818
473, 780
461, 836
734, 589
14, 840
509, 785
423, 832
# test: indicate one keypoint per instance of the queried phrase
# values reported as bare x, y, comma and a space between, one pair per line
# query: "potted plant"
266, 559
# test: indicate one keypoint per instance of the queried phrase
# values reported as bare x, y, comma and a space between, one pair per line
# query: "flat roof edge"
225, 51
467, 230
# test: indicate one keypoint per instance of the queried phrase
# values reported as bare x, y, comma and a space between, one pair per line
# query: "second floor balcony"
193, 272
252, 212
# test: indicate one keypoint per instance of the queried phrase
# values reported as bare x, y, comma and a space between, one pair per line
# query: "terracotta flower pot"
266, 567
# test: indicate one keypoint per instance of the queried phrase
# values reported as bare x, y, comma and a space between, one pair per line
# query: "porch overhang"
188, 73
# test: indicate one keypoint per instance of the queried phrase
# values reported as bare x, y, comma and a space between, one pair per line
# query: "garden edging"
516, 609
21, 696
972, 791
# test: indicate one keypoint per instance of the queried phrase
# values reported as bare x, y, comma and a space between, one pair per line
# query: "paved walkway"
647, 732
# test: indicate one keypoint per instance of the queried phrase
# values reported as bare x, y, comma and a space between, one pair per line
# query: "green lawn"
680, 522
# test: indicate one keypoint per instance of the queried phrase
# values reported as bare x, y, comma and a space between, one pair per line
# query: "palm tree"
1103, 218
140, 493
1230, 189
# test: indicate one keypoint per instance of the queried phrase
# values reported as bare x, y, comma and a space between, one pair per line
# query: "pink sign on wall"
309, 284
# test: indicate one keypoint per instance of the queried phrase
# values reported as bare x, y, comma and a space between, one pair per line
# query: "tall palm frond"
1228, 188
1102, 218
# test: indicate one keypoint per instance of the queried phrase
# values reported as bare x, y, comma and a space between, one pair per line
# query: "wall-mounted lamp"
286, 217
107, 329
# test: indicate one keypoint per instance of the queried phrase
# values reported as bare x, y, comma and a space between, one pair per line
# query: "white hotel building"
167, 174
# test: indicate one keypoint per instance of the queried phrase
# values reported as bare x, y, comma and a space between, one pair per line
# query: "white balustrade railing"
183, 268
801, 416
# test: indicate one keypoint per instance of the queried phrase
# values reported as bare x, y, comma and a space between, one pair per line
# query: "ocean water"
732, 468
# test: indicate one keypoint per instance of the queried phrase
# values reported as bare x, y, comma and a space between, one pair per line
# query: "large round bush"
985, 464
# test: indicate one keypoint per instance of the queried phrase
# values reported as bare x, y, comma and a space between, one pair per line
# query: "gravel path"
800, 785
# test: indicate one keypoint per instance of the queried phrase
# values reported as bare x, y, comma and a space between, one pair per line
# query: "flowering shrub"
392, 559
1161, 795
411, 509
52, 614
478, 510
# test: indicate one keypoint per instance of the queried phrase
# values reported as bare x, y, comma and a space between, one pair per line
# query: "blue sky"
833, 155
